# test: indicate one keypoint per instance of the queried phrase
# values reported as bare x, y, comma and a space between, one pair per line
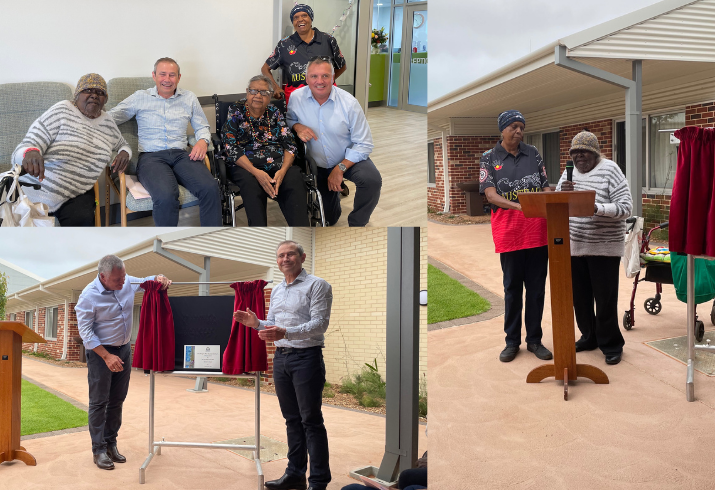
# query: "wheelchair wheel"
627, 320
699, 330
712, 315
652, 306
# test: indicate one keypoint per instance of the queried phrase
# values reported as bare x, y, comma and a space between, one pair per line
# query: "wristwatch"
342, 167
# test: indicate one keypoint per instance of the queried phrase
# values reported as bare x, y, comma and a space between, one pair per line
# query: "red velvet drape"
692, 205
245, 351
154, 348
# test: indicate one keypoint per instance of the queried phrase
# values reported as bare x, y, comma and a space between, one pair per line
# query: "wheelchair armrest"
193, 140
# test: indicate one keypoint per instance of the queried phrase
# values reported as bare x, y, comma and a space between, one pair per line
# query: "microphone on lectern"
569, 170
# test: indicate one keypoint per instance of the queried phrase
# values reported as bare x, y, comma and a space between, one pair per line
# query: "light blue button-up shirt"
302, 308
339, 124
105, 317
163, 122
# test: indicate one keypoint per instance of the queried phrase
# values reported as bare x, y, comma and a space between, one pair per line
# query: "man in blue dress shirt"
298, 316
339, 141
104, 319
163, 114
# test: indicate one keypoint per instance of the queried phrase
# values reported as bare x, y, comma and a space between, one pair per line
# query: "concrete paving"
490, 429
65, 461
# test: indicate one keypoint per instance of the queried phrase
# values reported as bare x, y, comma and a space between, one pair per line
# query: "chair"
229, 190
119, 89
20, 105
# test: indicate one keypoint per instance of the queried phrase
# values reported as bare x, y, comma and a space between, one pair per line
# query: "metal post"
634, 138
689, 383
402, 317
257, 454
202, 384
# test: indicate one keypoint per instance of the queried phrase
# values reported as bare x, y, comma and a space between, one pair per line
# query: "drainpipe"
445, 164
67, 328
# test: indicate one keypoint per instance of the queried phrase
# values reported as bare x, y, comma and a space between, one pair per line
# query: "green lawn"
44, 412
448, 299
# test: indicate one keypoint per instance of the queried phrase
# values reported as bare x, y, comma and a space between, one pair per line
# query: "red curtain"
692, 205
155, 341
245, 351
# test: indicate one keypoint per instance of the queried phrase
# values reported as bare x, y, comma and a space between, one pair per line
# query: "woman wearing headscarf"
510, 168
67, 148
293, 53
597, 245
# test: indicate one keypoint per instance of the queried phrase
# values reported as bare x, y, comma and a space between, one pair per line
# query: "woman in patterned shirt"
260, 150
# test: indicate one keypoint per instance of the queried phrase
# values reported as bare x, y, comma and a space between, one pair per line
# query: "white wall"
219, 44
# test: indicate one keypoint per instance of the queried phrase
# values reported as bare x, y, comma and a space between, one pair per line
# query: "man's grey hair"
167, 60
108, 263
296, 244
261, 78
319, 61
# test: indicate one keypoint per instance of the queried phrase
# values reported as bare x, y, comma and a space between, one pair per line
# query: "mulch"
458, 219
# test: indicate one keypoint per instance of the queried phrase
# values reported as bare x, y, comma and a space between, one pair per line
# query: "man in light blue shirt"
297, 319
339, 141
163, 114
104, 320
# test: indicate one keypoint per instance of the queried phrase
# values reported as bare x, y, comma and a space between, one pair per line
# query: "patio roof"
674, 37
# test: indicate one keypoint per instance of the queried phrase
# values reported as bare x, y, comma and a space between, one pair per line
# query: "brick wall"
603, 130
354, 262
702, 115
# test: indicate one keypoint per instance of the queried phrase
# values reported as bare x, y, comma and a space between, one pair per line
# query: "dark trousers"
292, 196
595, 279
161, 172
299, 378
368, 182
77, 211
524, 268
107, 391
415, 476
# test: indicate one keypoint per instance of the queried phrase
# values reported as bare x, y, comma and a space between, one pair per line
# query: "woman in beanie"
597, 245
295, 51
67, 148
510, 168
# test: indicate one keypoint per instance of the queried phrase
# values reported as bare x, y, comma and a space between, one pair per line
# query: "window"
430, 164
659, 154
548, 146
30, 319
51, 323
13, 317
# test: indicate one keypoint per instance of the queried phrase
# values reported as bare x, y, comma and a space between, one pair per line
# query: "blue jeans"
368, 182
299, 377
161, 172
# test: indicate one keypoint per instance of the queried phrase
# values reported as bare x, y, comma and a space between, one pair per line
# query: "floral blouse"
244, 135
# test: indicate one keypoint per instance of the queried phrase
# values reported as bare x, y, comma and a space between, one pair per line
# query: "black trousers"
368, 182
107, 391
524, 268
77, 211
415, 476
595, 279
292, 196
299, 376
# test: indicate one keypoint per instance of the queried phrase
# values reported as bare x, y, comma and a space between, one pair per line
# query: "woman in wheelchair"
259, 150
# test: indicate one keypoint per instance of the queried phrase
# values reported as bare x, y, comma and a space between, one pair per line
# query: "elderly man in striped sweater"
597, 245
67, 148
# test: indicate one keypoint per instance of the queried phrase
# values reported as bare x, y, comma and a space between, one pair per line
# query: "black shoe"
509, 353
613, 358
287, 482
114, 455
540, 351
582, 345
103, 462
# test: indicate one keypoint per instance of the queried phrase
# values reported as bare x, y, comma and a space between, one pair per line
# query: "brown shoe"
103, 462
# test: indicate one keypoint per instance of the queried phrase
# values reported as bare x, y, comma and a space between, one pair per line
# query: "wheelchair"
230, 191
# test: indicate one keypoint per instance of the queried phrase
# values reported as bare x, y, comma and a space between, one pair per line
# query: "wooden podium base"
582, 370
19, 454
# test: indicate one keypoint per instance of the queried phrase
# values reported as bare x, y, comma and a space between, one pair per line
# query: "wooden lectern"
12, 335
556, 207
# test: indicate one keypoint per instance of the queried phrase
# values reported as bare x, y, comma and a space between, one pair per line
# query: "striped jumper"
604, 232
75, 149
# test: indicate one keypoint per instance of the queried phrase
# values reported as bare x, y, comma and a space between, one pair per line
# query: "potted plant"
378, 37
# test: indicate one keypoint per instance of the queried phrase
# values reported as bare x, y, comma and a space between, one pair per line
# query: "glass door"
414, 79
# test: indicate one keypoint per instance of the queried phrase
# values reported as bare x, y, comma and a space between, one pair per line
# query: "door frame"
407, 23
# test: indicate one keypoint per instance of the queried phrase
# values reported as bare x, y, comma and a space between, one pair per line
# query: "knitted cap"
91, 80
508, 117
585, 141
301, 8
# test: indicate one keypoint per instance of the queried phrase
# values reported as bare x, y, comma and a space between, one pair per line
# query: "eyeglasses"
96, 91
264, 93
